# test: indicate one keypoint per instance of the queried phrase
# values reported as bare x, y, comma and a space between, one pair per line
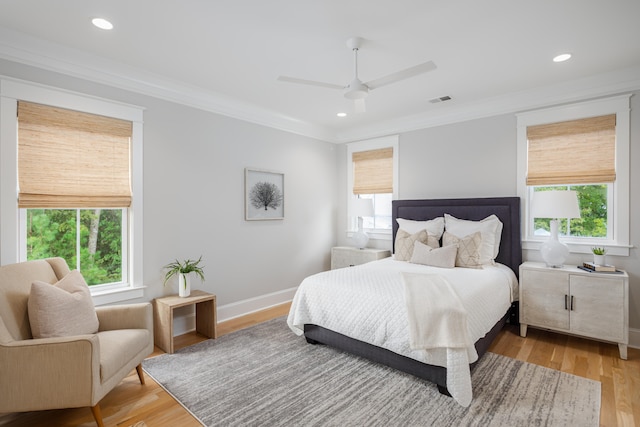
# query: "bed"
361, 310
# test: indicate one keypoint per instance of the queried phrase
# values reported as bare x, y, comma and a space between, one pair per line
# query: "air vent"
441, 99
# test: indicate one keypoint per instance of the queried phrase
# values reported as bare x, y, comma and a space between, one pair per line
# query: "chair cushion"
62, 309
118, 348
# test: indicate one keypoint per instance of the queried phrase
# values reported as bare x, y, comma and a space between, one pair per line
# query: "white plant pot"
600, 259
184, 285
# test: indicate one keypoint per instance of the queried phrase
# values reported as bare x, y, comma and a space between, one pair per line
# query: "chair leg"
140, 373
97, 414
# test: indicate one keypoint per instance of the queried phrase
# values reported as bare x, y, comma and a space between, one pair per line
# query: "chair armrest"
32, 372
125, 316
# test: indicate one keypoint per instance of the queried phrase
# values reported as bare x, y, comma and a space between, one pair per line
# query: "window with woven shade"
583, 147
71, 159
373, 174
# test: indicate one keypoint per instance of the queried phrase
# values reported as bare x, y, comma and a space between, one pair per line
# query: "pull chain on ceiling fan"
357, 90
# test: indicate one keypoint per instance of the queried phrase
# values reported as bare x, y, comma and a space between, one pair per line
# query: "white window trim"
12, 90
371, 144
620, 105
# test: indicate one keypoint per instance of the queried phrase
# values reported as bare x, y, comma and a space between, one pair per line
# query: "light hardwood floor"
131, 402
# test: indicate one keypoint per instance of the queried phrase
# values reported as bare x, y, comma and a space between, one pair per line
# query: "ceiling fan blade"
309, 82
359, 105
401, 75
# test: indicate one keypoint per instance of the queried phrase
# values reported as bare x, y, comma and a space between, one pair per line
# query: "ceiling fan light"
356, 90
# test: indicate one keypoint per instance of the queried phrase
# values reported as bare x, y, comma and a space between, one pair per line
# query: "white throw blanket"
437, 319
436, 315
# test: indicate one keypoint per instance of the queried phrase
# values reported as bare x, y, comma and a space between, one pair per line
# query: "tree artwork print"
264, 195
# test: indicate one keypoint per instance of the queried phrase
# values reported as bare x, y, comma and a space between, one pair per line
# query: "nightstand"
346, 256
577, 302
206, 318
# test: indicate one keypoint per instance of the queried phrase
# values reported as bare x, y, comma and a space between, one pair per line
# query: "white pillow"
490, 228
62, 309
435, 227
444, 257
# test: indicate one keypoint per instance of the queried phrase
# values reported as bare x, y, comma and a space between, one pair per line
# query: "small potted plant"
183, 270
599, 256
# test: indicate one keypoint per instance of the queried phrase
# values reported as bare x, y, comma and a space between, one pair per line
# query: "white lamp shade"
555, 204
361, 207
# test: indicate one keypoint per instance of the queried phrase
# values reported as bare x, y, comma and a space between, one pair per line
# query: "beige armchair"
64, 372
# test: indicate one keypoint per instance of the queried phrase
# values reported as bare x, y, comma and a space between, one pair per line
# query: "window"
90, 240
373, 174
69, 159
582, 147
79, 181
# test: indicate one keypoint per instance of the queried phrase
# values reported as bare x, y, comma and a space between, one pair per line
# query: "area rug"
267, 376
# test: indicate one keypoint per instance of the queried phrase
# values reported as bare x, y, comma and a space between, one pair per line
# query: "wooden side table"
206, 318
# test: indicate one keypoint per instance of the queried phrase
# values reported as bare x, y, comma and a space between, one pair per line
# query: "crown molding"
28, 50
32, 51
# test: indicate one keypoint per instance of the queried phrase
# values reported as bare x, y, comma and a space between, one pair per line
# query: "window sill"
581, 248
112, 296
374, 235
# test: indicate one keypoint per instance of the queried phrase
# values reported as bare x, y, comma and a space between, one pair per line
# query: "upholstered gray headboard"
507, 209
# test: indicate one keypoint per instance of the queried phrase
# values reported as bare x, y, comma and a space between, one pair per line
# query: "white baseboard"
187, 323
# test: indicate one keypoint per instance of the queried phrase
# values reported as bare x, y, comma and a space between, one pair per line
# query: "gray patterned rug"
267, 376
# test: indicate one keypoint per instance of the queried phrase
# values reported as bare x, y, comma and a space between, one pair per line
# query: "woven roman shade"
69, 159
373, 171
573, 152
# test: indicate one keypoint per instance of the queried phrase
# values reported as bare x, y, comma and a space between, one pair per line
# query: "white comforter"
367, 303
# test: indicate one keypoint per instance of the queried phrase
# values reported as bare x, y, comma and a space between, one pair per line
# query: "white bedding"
367, 303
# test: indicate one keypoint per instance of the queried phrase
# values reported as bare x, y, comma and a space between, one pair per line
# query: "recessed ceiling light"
102, 23
562, 57
341, 114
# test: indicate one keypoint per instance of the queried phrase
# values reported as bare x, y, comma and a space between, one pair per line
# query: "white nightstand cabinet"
346, 256
570, 300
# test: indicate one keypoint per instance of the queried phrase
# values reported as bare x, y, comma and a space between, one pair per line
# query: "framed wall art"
263, 195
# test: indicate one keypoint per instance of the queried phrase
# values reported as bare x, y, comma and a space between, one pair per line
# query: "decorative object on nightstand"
575, 301
554, 205
347, 256
360, 208
599, 256
183, 270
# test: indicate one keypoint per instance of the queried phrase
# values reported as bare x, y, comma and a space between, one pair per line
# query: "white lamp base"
360, 239
554, 252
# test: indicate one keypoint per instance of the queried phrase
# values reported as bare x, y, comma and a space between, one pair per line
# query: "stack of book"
589, 266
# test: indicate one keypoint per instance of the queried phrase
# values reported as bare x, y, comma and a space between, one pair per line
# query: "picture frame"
263, 195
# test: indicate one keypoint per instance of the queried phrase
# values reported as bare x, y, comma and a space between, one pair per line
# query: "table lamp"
360, 208
554, 205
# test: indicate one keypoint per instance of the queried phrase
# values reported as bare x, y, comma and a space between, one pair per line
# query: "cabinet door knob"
565, 302
571, 302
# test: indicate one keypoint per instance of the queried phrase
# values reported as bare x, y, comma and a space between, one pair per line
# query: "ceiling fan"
357, 90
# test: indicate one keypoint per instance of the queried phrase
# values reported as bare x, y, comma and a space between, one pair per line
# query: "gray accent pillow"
62, 309
405, 243
468, 254
444, 257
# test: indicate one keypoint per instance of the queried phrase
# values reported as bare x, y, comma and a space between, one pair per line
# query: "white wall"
194, 196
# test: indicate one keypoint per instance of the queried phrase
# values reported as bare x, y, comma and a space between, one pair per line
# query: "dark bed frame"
507, 209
